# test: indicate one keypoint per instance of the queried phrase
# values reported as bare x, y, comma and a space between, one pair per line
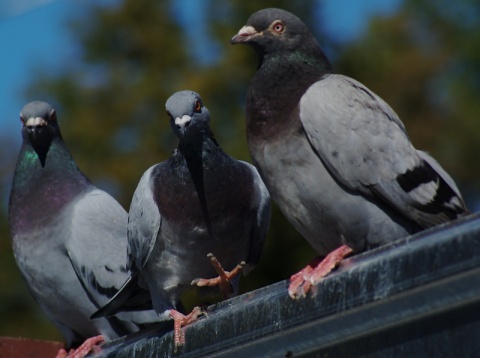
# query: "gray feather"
143, 222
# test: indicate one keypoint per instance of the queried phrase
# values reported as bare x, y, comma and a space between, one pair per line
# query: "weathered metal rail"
418, 297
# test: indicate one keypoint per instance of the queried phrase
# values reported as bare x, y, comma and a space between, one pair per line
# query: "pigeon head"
187, 113
272, 30
275, 31
40, 125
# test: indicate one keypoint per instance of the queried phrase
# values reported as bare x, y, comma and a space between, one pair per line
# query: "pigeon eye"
198, 106
169, 114
278, 27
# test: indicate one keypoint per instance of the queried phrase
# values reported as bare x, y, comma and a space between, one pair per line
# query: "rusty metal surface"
11, 347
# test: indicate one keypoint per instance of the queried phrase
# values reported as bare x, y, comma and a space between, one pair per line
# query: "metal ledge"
419, 296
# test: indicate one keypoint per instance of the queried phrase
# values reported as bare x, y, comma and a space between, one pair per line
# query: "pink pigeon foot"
179, 321
223, 279
301, 282
90, 344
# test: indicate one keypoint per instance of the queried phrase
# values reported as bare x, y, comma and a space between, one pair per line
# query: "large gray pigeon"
334, 156
69, 238
199, 201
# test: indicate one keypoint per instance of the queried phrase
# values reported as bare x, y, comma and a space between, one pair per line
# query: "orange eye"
198, 106
278, 27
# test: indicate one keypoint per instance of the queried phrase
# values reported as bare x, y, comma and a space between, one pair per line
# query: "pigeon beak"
34, 124
182, 122
244, 35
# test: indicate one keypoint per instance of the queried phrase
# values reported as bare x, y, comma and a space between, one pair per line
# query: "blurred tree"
134, 55
111, 108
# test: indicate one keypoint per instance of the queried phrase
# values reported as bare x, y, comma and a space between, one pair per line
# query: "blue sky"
34, 35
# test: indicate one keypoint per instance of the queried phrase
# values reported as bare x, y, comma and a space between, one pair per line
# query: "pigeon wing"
261, 203
97, 245
144, 221
364, 146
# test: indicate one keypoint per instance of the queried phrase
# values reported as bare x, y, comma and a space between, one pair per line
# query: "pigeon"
335, 157
69, 238
193, 215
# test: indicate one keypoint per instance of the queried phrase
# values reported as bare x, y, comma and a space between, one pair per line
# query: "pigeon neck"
277, 86
194, 143
194, 151
51, 157
42, 187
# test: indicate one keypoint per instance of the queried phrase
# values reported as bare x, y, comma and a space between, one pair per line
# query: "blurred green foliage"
423, 60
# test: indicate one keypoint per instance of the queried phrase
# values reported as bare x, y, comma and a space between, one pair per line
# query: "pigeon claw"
223, 279
90, 345
313, 273
180, 320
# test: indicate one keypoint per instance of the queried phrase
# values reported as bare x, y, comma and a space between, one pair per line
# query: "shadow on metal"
417, 297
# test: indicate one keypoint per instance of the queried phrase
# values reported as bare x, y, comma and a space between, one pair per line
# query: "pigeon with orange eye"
201, 213
336, 157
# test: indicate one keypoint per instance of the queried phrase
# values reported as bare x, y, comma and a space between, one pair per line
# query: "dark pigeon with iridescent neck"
199, 201
334, 156
68, 237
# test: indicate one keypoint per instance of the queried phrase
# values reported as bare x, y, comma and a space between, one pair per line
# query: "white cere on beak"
37, 121
246, 31
182, 121
244, 35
